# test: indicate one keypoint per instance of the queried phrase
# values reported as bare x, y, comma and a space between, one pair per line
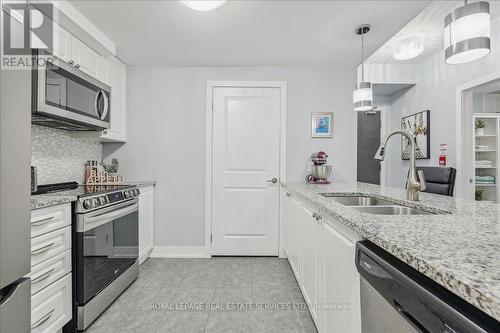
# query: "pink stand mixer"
320, 171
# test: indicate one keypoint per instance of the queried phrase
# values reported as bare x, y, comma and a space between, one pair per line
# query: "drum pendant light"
467, 32
362, 97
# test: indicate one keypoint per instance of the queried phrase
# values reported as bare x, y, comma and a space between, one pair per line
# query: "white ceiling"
247, 33
429, 25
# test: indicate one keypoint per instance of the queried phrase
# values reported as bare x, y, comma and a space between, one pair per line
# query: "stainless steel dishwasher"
395, 298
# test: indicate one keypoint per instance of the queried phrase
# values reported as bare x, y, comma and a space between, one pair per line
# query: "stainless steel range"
106, 247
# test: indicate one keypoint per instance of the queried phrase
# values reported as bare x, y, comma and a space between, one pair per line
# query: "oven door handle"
112, 215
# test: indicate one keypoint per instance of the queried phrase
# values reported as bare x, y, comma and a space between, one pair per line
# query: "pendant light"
409, 48
204, 5
362, 97
467, 32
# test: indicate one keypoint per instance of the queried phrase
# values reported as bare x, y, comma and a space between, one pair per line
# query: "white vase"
479, 131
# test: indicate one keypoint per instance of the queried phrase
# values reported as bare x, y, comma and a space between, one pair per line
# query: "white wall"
435, 89
166, 135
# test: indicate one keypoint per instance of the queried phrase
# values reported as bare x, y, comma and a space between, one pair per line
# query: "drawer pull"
44, 276
43, 249
42, 320
42, 221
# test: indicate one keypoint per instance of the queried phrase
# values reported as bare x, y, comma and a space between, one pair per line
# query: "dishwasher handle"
409, 317
371, 267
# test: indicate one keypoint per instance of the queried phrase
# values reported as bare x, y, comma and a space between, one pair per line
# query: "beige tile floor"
171, 295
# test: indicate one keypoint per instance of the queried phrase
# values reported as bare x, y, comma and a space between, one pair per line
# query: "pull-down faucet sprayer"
413, 185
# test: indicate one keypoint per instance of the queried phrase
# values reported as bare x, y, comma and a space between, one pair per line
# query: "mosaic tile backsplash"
60, 157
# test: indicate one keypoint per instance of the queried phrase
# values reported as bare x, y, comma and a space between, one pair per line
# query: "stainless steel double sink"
369, 205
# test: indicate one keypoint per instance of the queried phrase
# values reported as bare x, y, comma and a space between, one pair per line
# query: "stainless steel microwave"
65, 97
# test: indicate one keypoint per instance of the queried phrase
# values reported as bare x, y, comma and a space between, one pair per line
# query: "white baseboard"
145, 254
179, 252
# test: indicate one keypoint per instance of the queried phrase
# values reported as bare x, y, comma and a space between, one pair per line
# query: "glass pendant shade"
204, 5
409, 48
467, 32
362, 97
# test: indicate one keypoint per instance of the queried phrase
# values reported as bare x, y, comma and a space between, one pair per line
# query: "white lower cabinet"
51, 307
50, 274
339, 282
292, 232
146, 222
308, 253
50, 271
322, 255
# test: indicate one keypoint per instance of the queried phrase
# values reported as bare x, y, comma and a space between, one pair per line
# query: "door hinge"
210, 238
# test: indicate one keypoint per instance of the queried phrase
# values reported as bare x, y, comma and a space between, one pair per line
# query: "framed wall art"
419, 125
322, 124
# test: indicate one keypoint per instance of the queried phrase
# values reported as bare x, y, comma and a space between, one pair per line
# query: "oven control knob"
127, 194
136, 191
103, 200
88, 204
96, 201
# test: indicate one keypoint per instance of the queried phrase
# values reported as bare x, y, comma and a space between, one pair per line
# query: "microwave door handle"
96, 104
106, 105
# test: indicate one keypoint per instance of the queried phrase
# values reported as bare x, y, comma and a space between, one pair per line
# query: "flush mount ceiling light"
467, 32
409, 48
362, 97
204, 5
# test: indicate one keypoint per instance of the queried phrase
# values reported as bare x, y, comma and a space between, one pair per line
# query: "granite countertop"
460, 251
140, 183
51, 199
59, 198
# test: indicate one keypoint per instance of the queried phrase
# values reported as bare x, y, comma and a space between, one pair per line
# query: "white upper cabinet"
62, 43
117, 80
70, 49
84, 58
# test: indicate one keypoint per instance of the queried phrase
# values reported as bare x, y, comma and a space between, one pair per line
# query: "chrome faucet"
413, 185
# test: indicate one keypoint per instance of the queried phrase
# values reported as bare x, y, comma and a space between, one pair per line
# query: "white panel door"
245, 204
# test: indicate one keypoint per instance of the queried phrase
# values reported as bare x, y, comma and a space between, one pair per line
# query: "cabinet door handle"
314, 215
43, 249
42, 320
43, 277
42, 221
77, 65
71, 62
288, 194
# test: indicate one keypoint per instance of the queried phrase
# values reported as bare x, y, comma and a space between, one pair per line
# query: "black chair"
440, 180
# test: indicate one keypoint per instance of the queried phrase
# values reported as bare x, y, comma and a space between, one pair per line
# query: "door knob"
274, 180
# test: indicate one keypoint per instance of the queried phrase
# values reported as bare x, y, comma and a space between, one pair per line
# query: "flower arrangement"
111, 168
